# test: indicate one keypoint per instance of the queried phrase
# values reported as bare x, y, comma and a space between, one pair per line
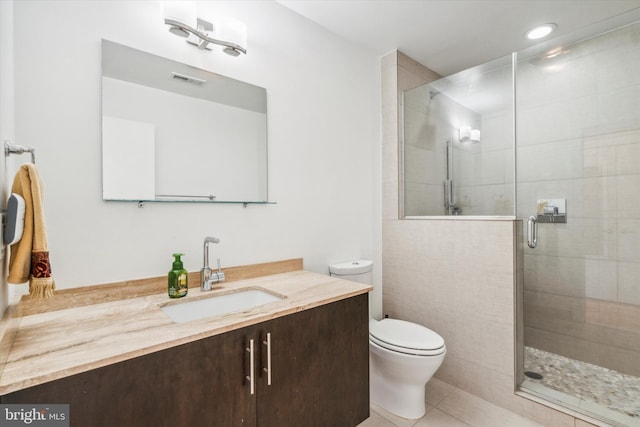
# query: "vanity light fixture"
182, 19
541, 31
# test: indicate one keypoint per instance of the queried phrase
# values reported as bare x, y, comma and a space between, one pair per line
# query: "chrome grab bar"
532, 232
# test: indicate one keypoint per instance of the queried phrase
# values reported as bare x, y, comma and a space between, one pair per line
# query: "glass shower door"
578, 181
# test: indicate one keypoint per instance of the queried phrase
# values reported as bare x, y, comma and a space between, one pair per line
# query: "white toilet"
403, 356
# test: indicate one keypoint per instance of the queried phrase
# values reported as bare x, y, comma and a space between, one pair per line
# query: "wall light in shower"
466, 134
182, 19
541, 31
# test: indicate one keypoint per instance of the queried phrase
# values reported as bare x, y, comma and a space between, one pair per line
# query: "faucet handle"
220, 273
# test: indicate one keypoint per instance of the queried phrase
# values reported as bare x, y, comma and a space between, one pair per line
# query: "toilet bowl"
403, 356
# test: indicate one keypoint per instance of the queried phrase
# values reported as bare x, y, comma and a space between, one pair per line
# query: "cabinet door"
196, 384
320, 367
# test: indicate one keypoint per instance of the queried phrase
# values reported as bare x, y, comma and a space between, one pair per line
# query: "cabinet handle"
250, 378
268, 368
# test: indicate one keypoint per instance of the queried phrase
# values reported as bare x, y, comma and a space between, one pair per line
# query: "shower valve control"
552, 211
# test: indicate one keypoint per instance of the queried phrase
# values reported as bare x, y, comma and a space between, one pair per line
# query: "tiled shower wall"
578, 117
454, 276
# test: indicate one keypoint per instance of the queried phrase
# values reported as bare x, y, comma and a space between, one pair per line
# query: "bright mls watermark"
34, 415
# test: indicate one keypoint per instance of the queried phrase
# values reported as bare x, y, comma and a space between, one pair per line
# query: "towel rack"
19, 149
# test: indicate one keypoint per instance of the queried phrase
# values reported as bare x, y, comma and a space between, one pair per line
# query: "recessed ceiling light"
541, 31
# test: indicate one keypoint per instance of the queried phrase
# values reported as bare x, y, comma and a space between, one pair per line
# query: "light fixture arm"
204, 39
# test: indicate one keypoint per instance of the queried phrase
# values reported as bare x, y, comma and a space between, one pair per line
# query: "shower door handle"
532, 232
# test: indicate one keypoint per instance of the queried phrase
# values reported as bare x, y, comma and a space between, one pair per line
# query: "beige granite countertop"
52, 345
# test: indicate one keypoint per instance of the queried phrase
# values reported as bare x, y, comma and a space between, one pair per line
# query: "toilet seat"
405, 337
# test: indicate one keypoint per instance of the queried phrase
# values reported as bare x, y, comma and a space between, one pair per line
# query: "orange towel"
30, 256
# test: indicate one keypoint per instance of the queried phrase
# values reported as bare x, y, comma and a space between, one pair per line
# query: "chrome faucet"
207, 276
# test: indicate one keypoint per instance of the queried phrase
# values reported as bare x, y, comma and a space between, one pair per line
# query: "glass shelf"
192, 201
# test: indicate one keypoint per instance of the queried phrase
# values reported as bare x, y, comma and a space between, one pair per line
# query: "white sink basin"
208, 307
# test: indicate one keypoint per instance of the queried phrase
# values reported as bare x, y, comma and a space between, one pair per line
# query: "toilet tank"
356, 271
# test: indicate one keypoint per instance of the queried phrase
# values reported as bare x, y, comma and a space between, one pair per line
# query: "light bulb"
541, 31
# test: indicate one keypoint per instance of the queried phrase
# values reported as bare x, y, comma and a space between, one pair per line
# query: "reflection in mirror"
458, 145
171, 132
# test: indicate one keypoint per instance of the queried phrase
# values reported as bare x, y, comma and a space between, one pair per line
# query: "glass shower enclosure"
578, 184
549, 136
458, 144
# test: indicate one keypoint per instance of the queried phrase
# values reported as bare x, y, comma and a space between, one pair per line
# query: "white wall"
323, 98
6, 120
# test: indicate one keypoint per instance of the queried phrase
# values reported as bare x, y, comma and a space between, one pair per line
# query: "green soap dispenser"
178, 278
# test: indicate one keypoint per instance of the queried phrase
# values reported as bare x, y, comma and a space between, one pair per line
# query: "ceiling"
448, 36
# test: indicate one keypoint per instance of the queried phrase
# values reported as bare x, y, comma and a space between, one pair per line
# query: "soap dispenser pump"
178, 278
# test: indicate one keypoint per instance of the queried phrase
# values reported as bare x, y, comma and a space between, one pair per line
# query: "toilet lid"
405, 337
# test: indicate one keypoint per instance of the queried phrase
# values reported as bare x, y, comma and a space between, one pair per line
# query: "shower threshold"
591, 389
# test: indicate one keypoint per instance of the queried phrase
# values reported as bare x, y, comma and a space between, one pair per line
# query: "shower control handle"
532, 232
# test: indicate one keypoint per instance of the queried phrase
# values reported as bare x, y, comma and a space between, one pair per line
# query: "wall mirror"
172, 132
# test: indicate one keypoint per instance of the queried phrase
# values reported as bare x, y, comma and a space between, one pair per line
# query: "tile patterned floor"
448, 406
586, 383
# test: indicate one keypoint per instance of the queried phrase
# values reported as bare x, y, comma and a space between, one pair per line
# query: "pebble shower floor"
611, 389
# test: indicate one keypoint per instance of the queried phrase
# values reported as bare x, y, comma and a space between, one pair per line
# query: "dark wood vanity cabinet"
195, 384
320, 364
319, 361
